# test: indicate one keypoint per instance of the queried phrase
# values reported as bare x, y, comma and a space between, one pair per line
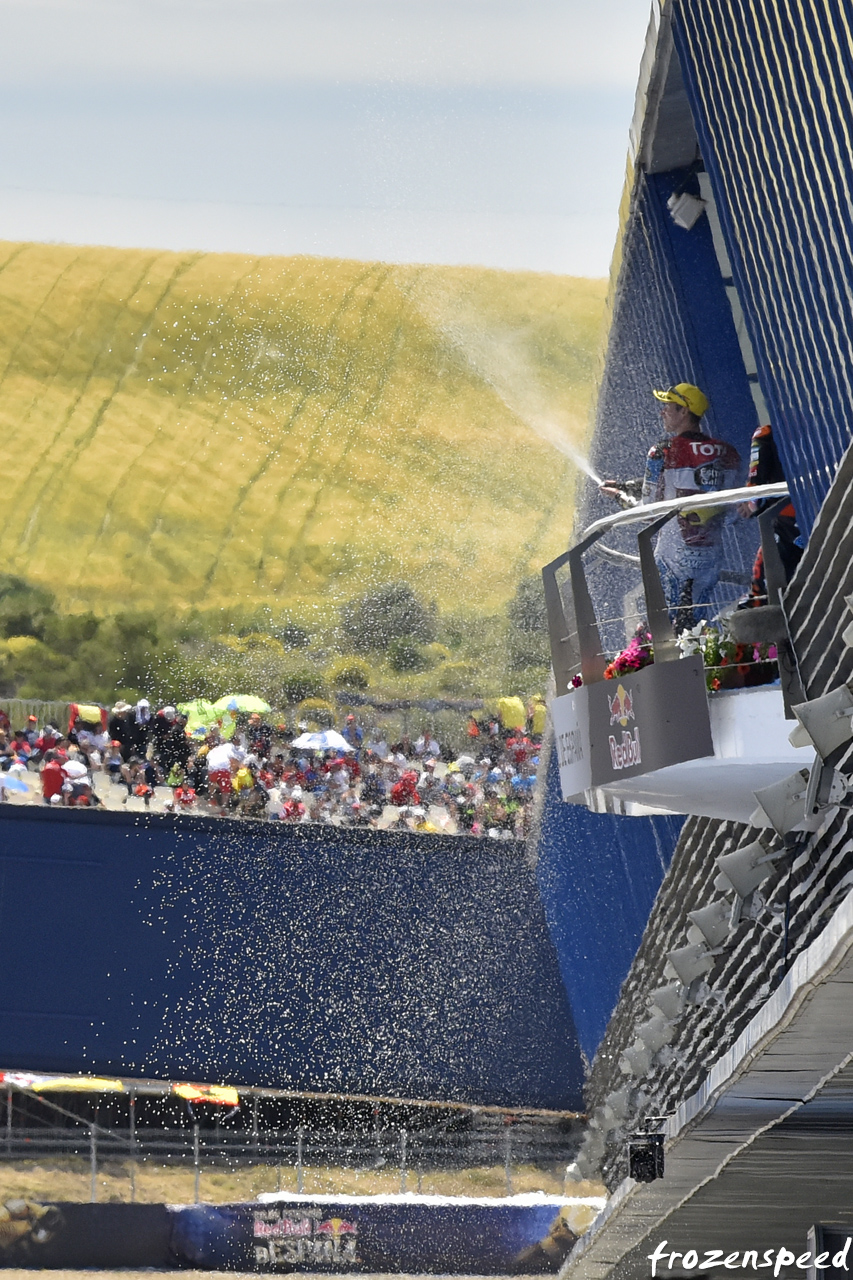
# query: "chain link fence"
288, 1154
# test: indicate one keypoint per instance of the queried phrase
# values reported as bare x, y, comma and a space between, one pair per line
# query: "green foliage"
457, 677
390, 612
298, 685
349, 673
25, 610
405, 655
526, 610
316, 711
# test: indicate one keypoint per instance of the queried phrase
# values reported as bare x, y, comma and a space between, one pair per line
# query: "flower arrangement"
638, 654
728, 664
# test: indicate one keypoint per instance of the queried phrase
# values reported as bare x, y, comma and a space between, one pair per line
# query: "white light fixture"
827, 720
655, 1033
713, 922
785, 804
669, 1000
685, 210
618, 1103
827, 788
690, 962
747, 867
636, 1061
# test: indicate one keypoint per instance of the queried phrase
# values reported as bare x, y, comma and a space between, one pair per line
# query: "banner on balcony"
633, 725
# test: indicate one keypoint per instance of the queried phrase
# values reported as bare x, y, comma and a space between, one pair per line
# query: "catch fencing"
412, 1153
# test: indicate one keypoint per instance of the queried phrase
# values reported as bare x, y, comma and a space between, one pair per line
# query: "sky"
489, 132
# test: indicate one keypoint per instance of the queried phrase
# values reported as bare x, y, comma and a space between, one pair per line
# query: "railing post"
564, 658
132, 1149
657, 612
196, 1164
93, 1163
403, 1136
299, 1139
255, 1122
9, 1121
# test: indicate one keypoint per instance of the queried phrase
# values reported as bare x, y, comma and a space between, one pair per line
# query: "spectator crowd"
252, 768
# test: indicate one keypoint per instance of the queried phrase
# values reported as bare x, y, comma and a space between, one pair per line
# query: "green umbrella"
241, 702
199, 709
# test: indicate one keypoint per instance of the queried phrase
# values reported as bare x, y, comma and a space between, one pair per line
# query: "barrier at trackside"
528, 1234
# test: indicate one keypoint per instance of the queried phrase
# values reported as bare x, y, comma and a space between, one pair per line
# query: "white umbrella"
325, 740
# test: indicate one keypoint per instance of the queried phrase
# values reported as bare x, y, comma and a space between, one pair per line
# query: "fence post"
9, 1121
132, 1149
196, 1163
93, 1163
299, 1139
508, 1159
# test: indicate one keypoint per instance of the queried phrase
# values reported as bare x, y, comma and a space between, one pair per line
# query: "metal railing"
576, 646
409, 1151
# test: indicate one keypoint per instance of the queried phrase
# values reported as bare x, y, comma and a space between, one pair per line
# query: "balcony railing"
627, 737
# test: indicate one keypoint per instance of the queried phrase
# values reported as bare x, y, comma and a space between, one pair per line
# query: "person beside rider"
685, 462
765, 467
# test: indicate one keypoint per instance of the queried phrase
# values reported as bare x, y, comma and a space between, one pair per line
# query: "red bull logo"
621, 706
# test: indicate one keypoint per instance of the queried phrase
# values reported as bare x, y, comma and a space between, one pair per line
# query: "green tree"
390, 612
526, 610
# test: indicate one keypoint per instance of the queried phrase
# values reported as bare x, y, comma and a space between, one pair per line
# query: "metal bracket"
663, 635
565, 658
793, 692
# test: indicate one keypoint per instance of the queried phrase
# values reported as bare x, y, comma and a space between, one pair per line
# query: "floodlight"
669, 999
827, 787
646, 1157
827, 720
747, 867
785, 803
636, 1061
685, 210
618, 1103
655, 1033
690, 962
713, 922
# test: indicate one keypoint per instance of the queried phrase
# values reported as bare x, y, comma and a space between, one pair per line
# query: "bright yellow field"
203, 429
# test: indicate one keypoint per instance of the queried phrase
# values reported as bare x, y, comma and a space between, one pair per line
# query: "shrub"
526, 610
437, 652
457, 677
388, 613
316, 711
350, 673
292, 636
298, 685
405, 655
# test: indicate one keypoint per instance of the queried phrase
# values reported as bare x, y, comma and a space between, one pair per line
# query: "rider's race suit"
688, 551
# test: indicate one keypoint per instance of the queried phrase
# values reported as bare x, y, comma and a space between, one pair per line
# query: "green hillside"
199, 430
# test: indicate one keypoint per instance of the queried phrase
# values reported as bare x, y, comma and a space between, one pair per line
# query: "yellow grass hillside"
199, 429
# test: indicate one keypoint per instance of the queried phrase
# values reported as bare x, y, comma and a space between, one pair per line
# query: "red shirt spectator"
52, 779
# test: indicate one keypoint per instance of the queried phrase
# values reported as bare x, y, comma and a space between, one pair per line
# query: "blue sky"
482, 131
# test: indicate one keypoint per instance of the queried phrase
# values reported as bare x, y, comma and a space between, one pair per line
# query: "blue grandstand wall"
769, 87
598, 875
293, 957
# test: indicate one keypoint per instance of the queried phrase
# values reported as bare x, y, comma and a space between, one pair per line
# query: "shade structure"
246, 702
323, 740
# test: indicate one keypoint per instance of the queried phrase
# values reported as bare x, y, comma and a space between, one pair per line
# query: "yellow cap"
685, 394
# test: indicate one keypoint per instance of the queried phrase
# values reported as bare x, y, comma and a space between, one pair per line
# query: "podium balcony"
657, 739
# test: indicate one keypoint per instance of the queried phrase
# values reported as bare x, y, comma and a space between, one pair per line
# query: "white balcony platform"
751, 751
